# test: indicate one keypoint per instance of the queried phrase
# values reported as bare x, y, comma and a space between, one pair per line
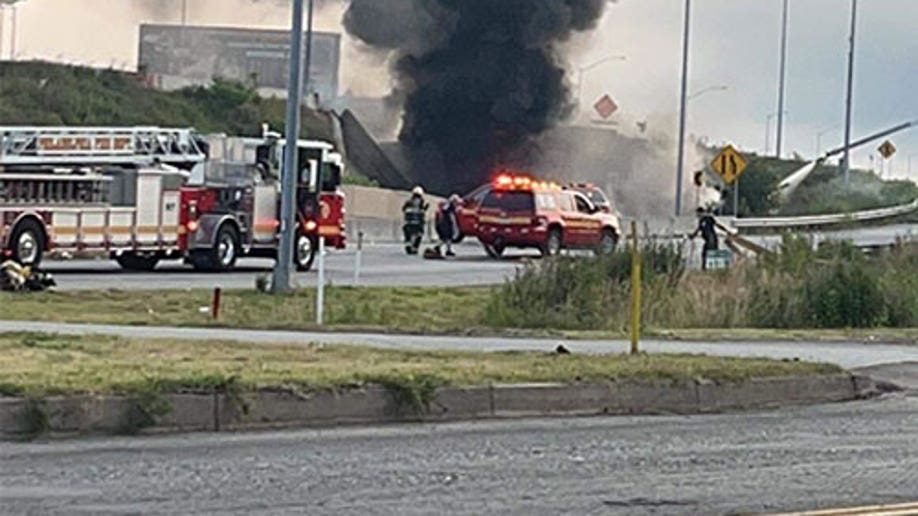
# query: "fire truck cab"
523, 212
234, 210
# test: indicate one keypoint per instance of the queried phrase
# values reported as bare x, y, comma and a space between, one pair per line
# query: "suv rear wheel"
553, 243
607, 243
494, 250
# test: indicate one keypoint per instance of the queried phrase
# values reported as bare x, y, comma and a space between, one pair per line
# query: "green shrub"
834, 286
572, 293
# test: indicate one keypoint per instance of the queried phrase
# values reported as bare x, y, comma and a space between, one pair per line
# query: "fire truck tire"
304, 251
553, 244
222, 257
27, 243
607, 243
137, 262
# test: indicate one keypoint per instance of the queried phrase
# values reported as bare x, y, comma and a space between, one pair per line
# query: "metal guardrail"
826, 220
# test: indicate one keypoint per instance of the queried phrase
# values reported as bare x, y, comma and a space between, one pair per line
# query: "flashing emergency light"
508, 180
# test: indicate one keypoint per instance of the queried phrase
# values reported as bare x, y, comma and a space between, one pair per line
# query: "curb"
62, 416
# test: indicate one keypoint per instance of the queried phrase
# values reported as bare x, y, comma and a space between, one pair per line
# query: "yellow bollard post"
635, 290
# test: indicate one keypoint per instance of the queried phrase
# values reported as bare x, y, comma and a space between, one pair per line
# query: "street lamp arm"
708, 90
602, 61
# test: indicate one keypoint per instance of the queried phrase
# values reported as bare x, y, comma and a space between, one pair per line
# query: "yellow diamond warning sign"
887, 149
729, 164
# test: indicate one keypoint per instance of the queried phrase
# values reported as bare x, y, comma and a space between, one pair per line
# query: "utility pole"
184, 12
280, 283
781, 81
307, 80
682, 103
846, 158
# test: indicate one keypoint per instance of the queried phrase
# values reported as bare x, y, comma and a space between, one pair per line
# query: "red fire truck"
234, 210
131, 194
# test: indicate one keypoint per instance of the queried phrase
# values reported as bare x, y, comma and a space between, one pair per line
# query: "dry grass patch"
40, 364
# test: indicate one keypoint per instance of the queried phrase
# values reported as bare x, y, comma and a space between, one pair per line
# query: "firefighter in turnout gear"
415, 213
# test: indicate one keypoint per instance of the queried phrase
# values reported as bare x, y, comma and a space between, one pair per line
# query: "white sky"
735, 43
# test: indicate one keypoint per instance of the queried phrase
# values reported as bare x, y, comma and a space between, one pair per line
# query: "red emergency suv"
524, 212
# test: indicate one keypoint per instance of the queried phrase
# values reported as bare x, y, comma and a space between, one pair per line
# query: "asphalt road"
792, 459
381, 265
845, 354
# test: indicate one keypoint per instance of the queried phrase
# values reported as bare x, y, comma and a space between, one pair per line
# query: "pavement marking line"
903, 509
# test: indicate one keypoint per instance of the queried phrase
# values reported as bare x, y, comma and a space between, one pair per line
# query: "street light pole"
13, 28
782, 81
308, 66
281, 278
819, 137
184, 12
2, 20
683, 100
846, 158
768, 120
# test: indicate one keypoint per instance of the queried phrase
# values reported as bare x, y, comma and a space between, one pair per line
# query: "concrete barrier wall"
374, 405
377, 213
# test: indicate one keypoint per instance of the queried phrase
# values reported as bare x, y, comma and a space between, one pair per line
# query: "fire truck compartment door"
265, 214
170, 217
149, 204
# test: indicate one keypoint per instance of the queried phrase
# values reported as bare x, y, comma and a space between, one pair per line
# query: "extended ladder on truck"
98, 146
105, 189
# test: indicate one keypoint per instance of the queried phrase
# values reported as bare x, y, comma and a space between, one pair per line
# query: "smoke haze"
481, 79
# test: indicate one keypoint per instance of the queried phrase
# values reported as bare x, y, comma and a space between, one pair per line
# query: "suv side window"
583, 205
546, 201
566, 201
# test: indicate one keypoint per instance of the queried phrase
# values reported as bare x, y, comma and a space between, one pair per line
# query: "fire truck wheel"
137, 262
226, 249
607, 243
553, 243
222, 257
304, 252
27, 243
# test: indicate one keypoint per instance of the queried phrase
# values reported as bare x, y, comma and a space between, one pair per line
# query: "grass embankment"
430, 310
37, 365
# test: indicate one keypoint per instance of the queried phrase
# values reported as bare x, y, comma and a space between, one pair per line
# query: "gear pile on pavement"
19, 278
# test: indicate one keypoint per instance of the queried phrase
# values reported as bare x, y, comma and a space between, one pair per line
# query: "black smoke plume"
481, 78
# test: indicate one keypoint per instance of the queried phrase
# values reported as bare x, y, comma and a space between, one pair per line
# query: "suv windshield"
597, 197
509, 201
